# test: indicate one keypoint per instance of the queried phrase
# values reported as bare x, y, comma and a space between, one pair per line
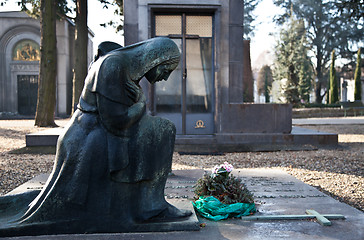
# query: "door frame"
21, 68
184, 10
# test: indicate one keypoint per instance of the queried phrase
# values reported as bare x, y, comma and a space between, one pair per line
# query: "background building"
19, 63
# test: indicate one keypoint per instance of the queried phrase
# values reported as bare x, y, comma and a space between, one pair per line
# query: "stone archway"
24, 67
11, 69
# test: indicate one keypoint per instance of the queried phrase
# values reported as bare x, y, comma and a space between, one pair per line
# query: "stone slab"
188, 224
276, 193
325, 112
256, 118
47, 137
329, 121
298, 139
35, 183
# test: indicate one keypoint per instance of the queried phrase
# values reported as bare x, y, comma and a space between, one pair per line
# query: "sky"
266, 30
261, 42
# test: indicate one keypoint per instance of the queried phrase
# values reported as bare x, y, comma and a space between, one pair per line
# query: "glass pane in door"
199, 25
168, 24
199, 84
199, 75
168, 93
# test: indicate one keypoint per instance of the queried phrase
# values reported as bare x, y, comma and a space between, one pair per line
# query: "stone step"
298, 139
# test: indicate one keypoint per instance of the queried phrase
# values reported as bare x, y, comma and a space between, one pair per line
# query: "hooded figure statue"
113, 159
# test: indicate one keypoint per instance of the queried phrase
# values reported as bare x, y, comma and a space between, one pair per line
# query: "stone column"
131, 30
236, 30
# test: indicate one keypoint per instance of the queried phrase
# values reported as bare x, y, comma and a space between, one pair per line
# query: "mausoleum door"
187, 97
27, 94
24, 69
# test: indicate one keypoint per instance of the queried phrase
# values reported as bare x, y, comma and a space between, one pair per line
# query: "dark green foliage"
334, 90
292, 62
227, 188
119, 11
305, 75
266, 91
264, 82
352, 8
32, 7
3, 2
249, 18
357, 75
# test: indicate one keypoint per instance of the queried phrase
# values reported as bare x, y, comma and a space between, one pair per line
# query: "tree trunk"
357, 78
319, 76
248, 81
48, 66
334, 90
319, 56
80, 52
266, 91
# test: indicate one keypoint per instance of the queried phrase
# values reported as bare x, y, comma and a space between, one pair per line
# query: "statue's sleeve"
117, 111
111, 81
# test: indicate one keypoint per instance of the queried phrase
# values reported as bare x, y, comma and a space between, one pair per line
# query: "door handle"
185, 73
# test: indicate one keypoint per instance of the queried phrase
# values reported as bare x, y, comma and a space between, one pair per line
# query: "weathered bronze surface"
113, 160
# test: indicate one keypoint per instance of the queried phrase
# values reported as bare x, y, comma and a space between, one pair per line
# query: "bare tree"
48, 66
81, 42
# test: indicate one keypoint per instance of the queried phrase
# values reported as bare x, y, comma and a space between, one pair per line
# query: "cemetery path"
338, 172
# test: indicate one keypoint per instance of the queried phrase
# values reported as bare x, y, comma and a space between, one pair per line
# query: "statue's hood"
145, 55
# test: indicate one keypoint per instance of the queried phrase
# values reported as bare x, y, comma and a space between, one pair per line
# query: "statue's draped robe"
112, 160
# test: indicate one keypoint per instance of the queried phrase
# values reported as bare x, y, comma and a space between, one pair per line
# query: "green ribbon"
211, 208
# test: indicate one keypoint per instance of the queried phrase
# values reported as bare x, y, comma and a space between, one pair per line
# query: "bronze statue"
113, 160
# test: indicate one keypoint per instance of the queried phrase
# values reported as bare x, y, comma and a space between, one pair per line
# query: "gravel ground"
338, 172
